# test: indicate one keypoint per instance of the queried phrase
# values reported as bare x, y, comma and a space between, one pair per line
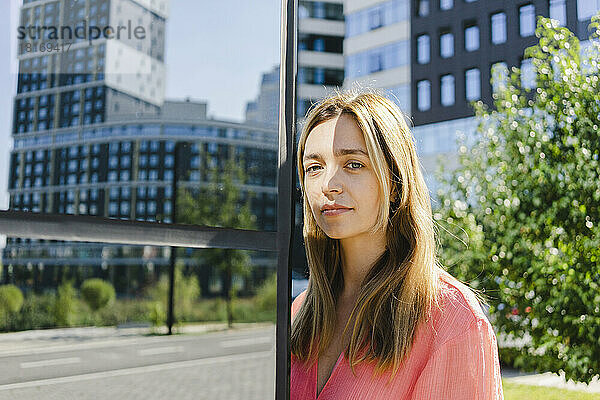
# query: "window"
375, 61
527, 20
586, 9
112, 208
472, 84
375, 18
446, 45
447, 90
423, 8
558, 11
423, 49
446, 4
151, 207
423, 95
471, 38
113, 161
498, 28
527, 74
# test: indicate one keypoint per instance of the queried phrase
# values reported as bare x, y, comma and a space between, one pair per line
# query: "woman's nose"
332, 183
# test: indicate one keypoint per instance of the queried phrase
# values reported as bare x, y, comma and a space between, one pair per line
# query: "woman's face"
339, 181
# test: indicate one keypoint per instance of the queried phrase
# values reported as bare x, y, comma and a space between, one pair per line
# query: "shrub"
124, 311
186, 294
11, 301
266, 295
97, 293
64, 308
36, 313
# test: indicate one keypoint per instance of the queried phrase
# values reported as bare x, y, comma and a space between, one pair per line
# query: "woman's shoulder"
457, 309
298, 302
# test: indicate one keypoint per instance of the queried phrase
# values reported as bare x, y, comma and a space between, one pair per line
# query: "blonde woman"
380, 319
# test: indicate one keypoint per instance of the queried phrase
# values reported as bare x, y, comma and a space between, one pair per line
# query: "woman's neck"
358, 256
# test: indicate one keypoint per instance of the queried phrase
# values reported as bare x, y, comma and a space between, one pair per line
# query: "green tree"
97, 293
11, 301
525, 201
220, 203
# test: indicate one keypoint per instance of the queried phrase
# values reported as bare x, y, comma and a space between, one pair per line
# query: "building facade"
457, 47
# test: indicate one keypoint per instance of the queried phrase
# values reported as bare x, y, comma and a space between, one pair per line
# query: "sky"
216, 51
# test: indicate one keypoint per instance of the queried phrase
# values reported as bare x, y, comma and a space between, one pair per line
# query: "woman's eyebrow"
337, 153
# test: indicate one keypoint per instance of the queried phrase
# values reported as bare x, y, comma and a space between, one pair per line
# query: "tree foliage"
525, 202
97, 293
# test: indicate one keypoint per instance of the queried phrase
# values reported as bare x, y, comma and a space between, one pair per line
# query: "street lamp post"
170, 309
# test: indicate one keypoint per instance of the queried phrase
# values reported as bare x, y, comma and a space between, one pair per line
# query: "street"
236, 364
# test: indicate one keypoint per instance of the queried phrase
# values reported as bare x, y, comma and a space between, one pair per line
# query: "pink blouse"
454, 356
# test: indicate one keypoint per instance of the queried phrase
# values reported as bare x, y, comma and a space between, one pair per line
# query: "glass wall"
139, 111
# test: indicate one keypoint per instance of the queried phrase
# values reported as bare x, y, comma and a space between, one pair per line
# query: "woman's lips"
335, 211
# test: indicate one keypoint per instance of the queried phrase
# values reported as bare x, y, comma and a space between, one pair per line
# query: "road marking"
74, 347
160, 350
48, 363
138, 370
246, 342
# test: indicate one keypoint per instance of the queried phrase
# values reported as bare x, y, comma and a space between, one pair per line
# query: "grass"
513, 391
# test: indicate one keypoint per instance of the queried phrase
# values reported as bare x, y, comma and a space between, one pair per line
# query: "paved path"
549, 379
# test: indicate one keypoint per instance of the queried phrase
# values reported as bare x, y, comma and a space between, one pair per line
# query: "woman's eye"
354, 165
312, 168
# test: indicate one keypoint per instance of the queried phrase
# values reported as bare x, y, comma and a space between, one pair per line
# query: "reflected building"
94, 135
265, 109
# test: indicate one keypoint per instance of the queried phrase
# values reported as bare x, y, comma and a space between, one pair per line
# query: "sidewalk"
38, 339
548, 379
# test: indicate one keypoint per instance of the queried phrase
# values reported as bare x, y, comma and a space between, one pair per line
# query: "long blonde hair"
400, 288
